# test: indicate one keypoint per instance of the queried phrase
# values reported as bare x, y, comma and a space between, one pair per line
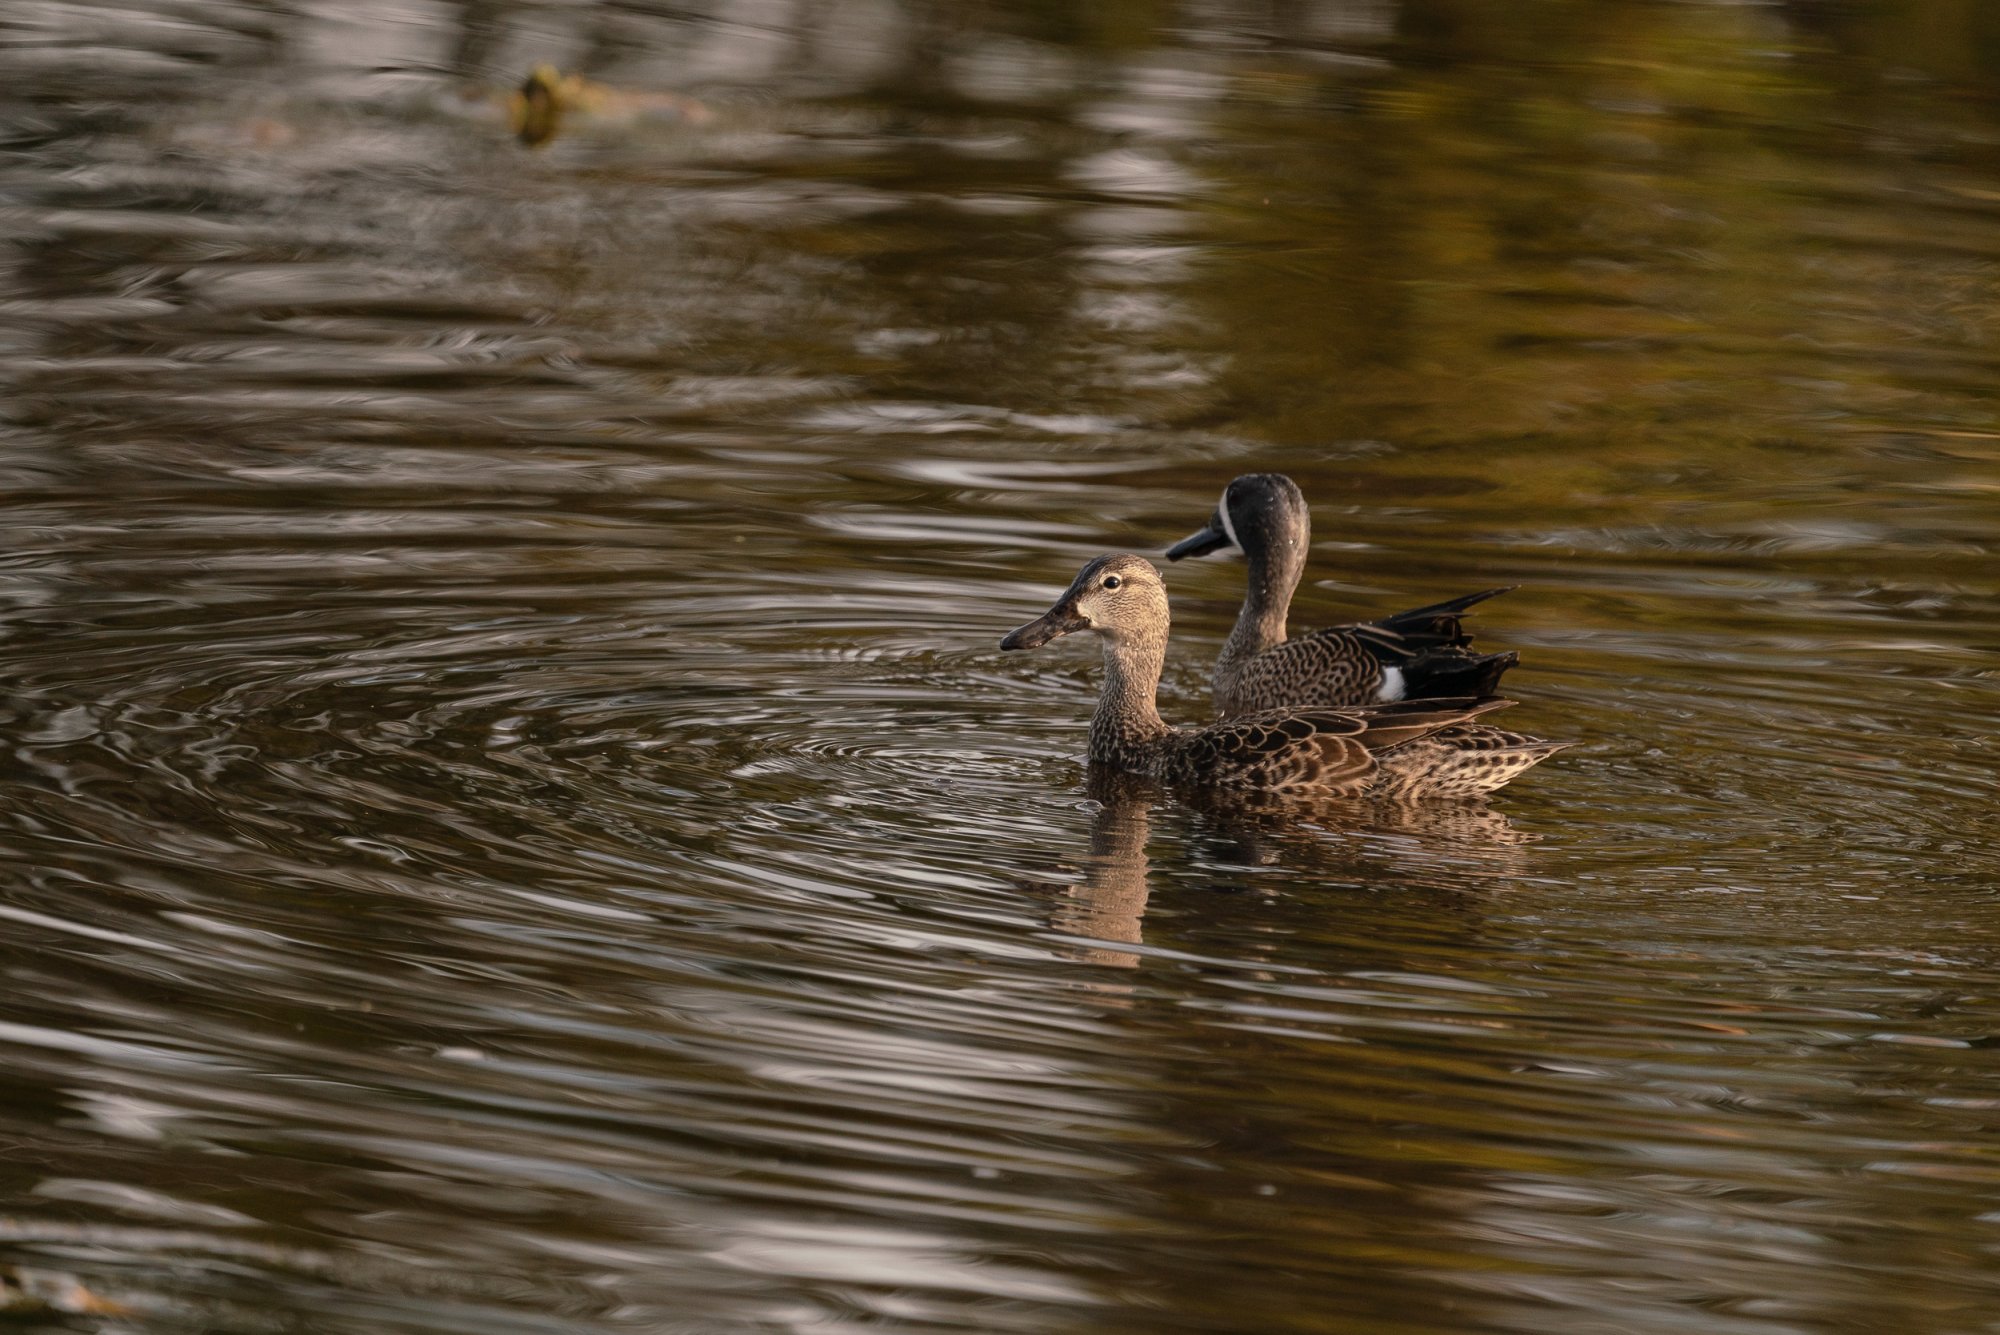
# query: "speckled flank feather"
1348, 752
1412, 655
1412, 748
1462, 761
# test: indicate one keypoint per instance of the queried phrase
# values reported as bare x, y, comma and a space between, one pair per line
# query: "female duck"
1409, 656
1393, 750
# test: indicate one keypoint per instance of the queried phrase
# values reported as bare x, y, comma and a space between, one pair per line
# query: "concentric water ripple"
513, 815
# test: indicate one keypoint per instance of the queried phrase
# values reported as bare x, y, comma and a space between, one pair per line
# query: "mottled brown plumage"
1389, 749
1460, 761
1413, 655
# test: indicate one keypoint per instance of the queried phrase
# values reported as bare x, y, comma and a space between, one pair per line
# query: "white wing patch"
1392, 684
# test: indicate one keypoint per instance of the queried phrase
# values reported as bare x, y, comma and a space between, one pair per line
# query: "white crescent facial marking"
1392, 684
1228, 525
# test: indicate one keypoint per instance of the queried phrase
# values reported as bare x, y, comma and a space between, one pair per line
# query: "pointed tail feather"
1438, 623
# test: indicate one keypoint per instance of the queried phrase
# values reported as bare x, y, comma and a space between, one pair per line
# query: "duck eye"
1112, 581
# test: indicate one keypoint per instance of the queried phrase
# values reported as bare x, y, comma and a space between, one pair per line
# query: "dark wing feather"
1396, 639
1406, 720
1454, 671
1438, 624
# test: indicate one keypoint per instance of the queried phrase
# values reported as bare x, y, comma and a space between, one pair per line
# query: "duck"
548, 97
1414, 655
1404, 749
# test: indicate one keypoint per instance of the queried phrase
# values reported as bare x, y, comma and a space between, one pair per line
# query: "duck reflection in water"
1437, 847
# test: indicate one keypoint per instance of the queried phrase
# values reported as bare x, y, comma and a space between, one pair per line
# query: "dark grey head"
1260, 514
1117, 596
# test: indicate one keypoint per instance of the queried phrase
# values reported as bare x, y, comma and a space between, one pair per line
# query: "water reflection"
1109, 903
1453, 847
513, 818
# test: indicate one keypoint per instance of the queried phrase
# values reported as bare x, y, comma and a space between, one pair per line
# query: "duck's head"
1120, 597
1258, 513
536, 109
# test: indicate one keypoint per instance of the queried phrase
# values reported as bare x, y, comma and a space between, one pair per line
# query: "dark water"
513, 817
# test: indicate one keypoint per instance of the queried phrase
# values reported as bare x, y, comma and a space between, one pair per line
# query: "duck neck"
1274, 574
1128, 715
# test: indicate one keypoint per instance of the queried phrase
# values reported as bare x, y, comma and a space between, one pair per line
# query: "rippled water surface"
513, 816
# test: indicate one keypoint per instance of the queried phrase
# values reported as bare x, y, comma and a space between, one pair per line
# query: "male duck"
1413, 655
1390, 750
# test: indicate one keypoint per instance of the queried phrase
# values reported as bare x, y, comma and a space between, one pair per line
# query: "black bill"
1060, 620
1210, 539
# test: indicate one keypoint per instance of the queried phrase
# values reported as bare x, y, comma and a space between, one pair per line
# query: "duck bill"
1060, 620
1212, 538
